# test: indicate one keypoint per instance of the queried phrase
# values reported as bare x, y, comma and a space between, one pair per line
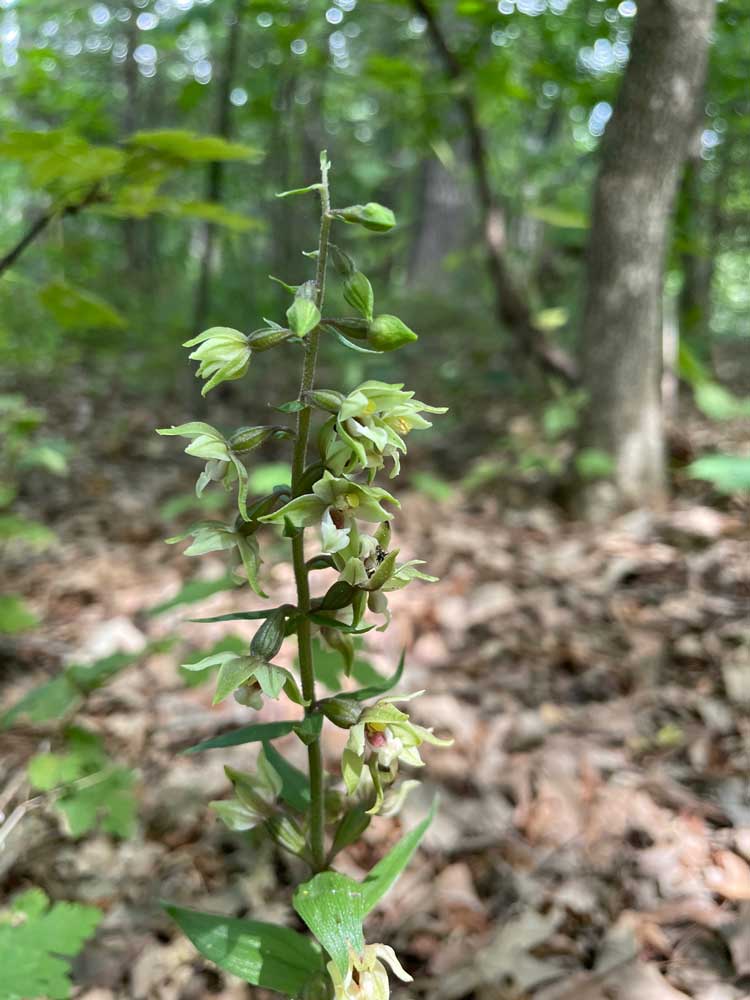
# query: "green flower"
250, 673
213, 536
224, 355
222, 455
383, 736
334, 504
369, 425
255, 797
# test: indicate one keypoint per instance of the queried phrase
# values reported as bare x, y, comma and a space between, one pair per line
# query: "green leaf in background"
331, 905
75, 309
383, 684
719, 403
14, 528
295, 788
108, 804
727, 473
97, 794
559, 216
266, 955
14, 615
264, 477
388, 869
182, 144
329, 668
56, 697
192, 592
48, 701
259, 732
34, 937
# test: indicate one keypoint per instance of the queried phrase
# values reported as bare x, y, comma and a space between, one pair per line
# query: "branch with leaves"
314, 815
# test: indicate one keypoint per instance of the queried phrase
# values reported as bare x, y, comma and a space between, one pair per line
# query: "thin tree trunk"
642, 153
511, 308
440, 224
215, 174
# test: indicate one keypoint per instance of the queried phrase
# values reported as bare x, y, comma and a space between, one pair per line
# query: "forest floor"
593, 837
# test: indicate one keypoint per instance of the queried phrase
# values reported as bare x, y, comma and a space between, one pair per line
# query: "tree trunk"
440, 224
642, 153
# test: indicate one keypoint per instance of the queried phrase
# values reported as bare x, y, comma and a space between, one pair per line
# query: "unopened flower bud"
262, 340
342, 712
327, 399
372, 216
388, 333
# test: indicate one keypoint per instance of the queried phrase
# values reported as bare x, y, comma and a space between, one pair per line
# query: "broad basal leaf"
262, 954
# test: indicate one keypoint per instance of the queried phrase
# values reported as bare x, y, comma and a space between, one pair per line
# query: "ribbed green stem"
307, 667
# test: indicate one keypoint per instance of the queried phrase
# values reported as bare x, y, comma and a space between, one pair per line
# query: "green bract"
312, 814
224, 355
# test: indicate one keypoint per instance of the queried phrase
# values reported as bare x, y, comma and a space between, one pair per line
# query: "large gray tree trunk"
642, 154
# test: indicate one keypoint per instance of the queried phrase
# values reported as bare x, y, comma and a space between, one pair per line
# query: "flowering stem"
307, 668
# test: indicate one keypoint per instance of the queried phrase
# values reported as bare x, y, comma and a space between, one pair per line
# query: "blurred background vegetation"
126, 230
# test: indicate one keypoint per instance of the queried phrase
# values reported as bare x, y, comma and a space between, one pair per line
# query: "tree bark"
511, 307
642, 154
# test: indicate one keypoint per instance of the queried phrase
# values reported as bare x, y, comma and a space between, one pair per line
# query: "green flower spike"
224, 355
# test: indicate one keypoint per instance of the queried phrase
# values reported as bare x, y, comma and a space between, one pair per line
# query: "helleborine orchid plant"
314, 815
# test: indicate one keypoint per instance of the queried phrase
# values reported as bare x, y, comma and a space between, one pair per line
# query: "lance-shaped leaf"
257, 733
388, 869
331, 905
266, 955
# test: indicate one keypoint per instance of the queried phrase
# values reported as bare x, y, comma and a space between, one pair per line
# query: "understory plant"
314, 815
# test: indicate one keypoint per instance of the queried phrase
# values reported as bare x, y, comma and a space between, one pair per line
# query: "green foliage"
14, 615
331, 906
89, 790
266, 955
56, 698
193, 592
37, 939
727, 473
